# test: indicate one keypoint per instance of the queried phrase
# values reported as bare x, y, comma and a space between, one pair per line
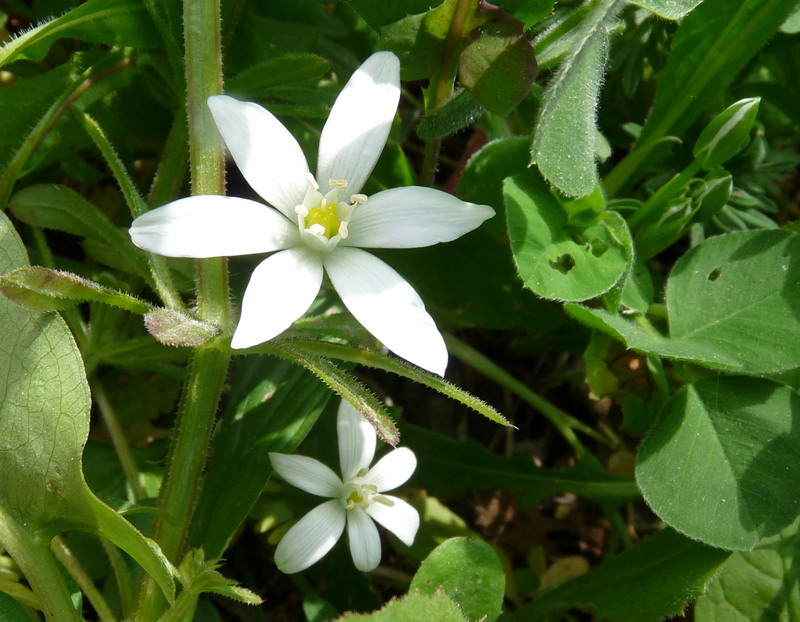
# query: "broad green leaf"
711, 46
719, 463
45, 415
732, 304
564, 142
647, 583
450, 467
559, 261
670, 9
412, 607
457, 113
43, 289
498, 66
114, 22
763, 584
10, 609
272, 407
468, 571
261, 79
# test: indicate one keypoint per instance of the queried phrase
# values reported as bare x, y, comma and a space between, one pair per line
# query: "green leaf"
260, 80
457, 113
113, 22
43, 289
556, 260
45, 414
530, 12
468, 571
566, 134
57, 207
711, 46
717, 464
724, 136
413, 607
498, 66
669, 9
649, 582
451, 467
378, 360
378, 14
760, 585
272, 406
732, 303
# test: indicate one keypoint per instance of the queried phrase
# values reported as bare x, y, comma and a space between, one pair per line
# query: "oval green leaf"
720, 464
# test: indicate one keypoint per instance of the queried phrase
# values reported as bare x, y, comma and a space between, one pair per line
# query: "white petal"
413, 217
356, 441
265, 152
213, 226
392, 470
401, 518
313, 536
307, 474
365, 543
281, 289
387, 306
359, 123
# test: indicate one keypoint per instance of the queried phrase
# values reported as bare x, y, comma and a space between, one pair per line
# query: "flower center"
358, 493
323, 218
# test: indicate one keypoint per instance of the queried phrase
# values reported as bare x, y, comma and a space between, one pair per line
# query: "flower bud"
723, 137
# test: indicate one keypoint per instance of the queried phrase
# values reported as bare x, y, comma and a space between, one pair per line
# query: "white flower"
319, 223
356, 498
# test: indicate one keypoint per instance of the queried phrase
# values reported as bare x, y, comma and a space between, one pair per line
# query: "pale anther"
358, 198
311, 181
338, 183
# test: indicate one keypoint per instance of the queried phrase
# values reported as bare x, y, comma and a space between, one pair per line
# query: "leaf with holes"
733, 304
560, 261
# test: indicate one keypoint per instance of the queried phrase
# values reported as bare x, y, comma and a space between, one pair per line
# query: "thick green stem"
561, 420
182, 481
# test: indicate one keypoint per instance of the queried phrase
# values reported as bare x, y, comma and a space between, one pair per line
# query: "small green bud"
175, 328
711, 194
654, 236
723, 137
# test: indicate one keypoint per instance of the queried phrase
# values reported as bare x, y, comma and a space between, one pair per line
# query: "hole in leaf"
563, 264
714, 274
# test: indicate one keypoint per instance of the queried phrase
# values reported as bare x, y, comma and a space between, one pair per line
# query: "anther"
338, 183
358, 198
311, 181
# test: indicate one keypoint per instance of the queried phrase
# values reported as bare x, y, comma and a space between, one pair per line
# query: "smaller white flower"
355, 499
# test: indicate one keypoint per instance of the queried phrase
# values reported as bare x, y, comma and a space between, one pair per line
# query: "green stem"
441, 86
36, 560
563, 422
118, 440
84, 581
199, 401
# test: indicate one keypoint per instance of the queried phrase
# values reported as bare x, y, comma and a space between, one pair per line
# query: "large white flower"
356, 498
319, 223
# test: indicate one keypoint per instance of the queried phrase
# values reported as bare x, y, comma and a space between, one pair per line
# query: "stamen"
343, 230
358, 198
383, 501
300, 210
316, 229
311, 181
338, 183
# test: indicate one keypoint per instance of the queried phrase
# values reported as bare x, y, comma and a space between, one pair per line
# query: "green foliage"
468, 572
647, 583
702, 466
762, 584
739, 284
